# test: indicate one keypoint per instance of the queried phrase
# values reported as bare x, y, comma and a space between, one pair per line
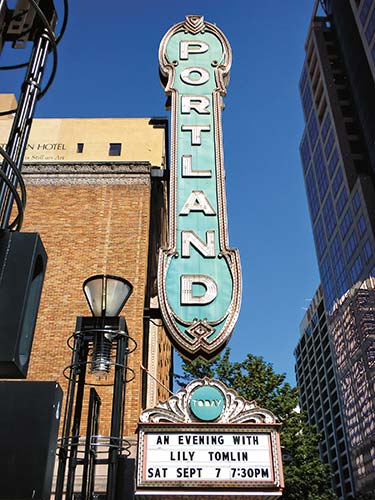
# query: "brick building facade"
96, 193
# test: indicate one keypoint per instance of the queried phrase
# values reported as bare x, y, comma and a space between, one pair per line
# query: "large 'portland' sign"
199, 275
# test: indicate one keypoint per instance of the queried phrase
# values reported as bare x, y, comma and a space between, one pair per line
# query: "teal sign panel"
199, 276
207, 403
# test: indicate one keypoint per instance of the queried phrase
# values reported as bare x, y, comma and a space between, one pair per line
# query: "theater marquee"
199, 275
206, 440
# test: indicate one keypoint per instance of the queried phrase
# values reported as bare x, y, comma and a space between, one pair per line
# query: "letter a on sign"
199, 275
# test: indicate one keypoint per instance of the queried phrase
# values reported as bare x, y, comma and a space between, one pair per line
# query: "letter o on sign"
201, 75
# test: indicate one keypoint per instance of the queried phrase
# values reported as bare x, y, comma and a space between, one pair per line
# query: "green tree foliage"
306, 477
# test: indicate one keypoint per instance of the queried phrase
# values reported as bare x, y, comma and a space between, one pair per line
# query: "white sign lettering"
197, 202
199, 103
189, 297
207, 248
196, 136
192, 47
187, 169
195, 75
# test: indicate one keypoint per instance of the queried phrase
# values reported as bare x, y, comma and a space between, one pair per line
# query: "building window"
351, 245
326, 272
336, 249
305, 153
360, 465
328, 293
371, 363
356, 202
338, 264
80, 147
341, 201
320, 170
303, 79
346, 223
361, 226
364, 11
356, 269
320, 239
114, 149
329, 216
326, 126
307, 101
342, 284
330, 143
313, 130
312, 194
336, 183
367, 250
370, 30
333, 162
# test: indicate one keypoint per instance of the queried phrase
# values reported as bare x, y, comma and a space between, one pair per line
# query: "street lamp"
106, 296
99, 343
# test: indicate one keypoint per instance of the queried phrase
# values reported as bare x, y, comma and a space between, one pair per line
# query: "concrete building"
96, 193
316, 379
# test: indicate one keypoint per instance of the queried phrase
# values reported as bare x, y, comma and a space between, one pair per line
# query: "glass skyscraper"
337, 171
354, 22
337, 89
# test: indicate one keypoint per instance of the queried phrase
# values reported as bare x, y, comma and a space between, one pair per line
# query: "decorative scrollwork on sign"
236, 410
194, 24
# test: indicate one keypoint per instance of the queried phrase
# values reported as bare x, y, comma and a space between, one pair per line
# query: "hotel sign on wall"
199, 275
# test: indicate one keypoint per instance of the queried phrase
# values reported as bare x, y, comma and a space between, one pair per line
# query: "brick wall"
90, 223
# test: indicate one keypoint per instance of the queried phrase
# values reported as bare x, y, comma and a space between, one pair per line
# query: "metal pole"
117, 412
20, 131
64, 448
77, 418
88, 473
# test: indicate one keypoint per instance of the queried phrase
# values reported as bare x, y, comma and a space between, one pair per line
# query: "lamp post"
100, 343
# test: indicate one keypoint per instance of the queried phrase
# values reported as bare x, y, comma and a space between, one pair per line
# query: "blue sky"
108, 67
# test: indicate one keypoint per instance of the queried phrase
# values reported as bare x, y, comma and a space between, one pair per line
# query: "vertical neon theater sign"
199, 276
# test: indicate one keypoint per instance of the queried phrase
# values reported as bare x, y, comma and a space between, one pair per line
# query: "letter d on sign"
187, 296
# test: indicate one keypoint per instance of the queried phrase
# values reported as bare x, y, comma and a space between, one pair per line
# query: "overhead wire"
156, 380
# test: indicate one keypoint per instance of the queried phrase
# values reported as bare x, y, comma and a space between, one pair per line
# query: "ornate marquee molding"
236, 409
